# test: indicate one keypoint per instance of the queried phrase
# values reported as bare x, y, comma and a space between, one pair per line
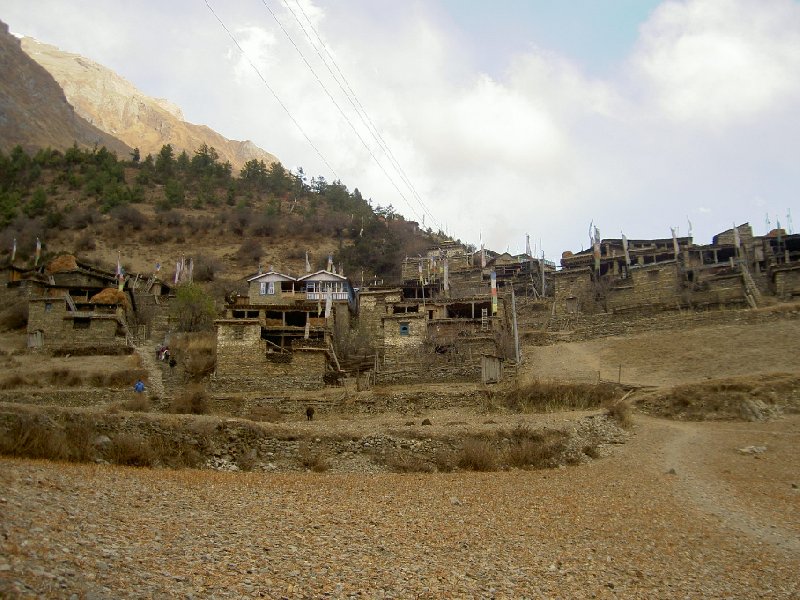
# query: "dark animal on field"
310, 413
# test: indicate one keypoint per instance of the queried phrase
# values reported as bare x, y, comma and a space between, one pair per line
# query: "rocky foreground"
676, 512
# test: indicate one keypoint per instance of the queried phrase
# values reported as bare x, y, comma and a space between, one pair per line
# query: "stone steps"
153, 368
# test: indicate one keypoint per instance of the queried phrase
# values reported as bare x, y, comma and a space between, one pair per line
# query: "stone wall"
399, 340
574, 284
52, 326
243, 363
373, 306
654, 286
719, 290
787, 283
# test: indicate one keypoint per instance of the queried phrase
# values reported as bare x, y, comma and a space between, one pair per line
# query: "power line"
355, 103
339, 108
272, 91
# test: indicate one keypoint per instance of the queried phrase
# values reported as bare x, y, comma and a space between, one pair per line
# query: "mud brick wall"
244, 365
397, 345
719, 291
58, 332
787, 283
372, 307
577, 284
420, 366
648, 286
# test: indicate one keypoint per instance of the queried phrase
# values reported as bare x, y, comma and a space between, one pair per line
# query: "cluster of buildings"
450, 317
737, 268
75, 307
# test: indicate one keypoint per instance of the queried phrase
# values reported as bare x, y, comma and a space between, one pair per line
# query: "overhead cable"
272, 91
339, 108
350, 94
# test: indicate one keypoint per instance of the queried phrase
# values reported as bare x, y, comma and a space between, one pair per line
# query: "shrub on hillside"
542, 396
37, 436
131, 450
622, 413
205, 268
129, 217
194, 400
15, 315
477, 454
314, 459
535, 449
250, 252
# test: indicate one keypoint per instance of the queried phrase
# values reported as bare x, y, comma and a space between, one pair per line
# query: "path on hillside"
155, 380
683, 447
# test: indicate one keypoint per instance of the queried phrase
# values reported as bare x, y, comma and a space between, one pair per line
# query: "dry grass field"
704, 504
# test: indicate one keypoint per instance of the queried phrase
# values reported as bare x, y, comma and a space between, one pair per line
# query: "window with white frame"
263, 288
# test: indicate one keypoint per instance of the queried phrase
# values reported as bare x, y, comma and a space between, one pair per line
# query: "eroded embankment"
202, 441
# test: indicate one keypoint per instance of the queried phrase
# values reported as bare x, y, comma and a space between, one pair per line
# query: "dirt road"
725, 525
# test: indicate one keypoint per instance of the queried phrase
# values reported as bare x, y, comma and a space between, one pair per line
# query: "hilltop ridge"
35, 112
114, 105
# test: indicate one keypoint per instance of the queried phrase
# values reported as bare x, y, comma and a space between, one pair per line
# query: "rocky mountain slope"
33, 110
117, 107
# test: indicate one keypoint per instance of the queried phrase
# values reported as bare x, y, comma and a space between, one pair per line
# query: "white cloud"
702, 117
718, 61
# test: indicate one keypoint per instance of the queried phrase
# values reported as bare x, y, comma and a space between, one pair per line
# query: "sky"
488, 120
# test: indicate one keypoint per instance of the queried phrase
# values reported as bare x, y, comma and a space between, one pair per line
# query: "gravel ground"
620, 527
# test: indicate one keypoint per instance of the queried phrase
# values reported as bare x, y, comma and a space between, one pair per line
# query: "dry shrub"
477, 454
196, 353
621, 412
85, 242
316, 460
407, 462
535, 449
249, 252
176, 452
132, 450
79, 439
445, 460
542, 396
268, 414
194, 400
205, 267
121, 378
248, 460
135, 361
64, 378
13, 381
36, 436
14, 316
744, 398
137, 403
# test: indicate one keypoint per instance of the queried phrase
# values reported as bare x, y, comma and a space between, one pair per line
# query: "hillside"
690, 491
33, 110
157, 210
117, 107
